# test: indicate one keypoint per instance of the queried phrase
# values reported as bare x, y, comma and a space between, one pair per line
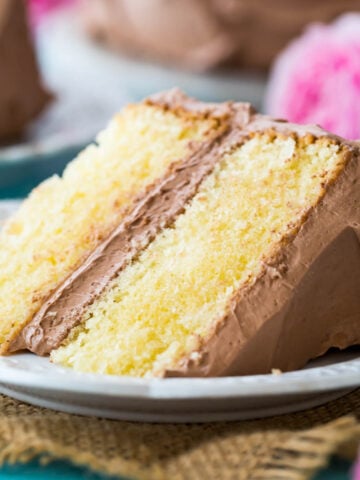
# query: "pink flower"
316, 79
356, 470
39, 8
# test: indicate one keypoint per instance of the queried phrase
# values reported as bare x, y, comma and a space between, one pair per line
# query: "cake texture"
22, 96
205, 34
240, 257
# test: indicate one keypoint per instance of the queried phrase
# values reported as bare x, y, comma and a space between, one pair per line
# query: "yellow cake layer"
154, 312
64, 218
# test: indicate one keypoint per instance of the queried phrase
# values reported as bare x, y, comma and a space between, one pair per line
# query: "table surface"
337, 470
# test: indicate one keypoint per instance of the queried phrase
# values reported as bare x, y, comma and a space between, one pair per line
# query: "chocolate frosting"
307, 298
22, 97
203, 34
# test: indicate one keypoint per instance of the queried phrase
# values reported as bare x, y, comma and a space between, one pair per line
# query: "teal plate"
338, 469
19, 175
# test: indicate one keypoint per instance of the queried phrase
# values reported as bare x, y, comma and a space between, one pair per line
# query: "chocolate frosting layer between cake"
287, 315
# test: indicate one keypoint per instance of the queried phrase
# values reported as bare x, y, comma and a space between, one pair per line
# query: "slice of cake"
64, 219
243, 258
22, 96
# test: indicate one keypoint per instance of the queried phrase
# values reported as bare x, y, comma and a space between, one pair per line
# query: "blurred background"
68, 65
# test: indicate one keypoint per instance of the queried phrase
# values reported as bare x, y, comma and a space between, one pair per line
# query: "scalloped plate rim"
17, 370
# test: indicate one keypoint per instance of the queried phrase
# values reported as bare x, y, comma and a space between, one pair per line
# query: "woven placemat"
290, 447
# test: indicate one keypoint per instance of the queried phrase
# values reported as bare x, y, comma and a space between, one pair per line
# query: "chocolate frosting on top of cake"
279, 296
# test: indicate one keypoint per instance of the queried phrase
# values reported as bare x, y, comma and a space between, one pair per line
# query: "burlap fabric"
290, 447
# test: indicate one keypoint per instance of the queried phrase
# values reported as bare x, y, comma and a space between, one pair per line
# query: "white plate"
35, 380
